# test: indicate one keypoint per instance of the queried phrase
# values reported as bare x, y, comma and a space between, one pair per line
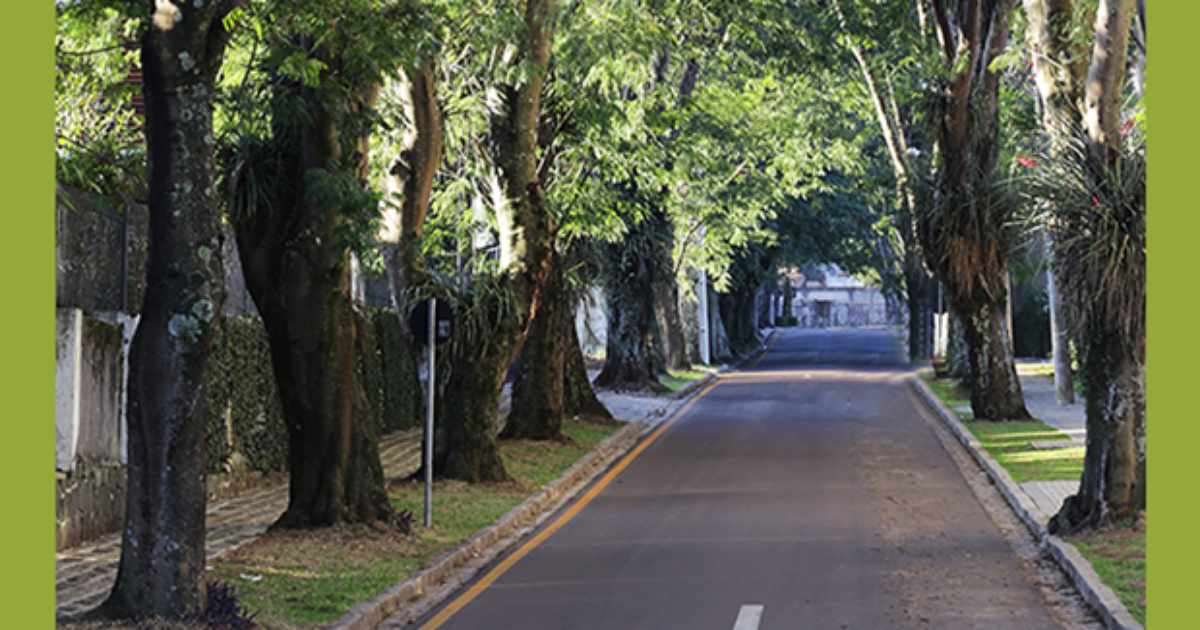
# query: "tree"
1095, 194
500, 305
1059, 62
162, 543
297, 200
892, 31
967, 232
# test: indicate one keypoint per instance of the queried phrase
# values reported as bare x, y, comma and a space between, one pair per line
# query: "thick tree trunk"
1112, 487
916, 284
667, 291
162, 544
315, 335
299, 276
526, 246
964, 241
409, 184
632, 356
468, 415
995, 389
537, 389
407, 191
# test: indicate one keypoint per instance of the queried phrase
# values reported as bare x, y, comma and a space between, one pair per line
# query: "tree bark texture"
1060, 350
1113, 486
963, 239
409, 183
578, 396
299, 276
920, 325
1059, 69
995, 389
633, 358
537, 389
162, 544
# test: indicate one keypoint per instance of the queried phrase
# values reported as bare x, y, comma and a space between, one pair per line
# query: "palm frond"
1095, 213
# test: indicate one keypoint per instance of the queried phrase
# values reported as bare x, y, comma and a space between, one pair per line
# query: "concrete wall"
91, 364
841, 306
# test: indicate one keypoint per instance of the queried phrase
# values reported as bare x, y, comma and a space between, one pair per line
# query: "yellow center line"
500, 569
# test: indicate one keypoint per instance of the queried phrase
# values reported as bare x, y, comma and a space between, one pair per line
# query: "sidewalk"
1048, 496
85, 573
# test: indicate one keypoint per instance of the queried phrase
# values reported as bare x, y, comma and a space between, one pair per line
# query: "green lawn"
677, 380
307, 579
1119, 557
1010, 444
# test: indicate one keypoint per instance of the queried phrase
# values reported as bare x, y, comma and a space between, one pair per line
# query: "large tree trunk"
537, 389
1113, 485
409, 184
526, 246
407, 190
964, 238
995, 389
162, 543
299, 276
920, 326
1059, 70
468, 409
632, 357
667, 292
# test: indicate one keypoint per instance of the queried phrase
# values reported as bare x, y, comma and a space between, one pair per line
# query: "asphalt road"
806, 491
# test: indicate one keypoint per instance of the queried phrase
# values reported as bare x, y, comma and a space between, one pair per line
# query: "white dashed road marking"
748, 617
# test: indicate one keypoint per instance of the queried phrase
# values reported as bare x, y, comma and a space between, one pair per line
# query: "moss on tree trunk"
162, 543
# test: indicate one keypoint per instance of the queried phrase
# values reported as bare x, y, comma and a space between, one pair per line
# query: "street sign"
418, 322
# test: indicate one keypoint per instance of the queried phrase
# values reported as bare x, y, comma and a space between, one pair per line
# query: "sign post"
430, 323
429, 416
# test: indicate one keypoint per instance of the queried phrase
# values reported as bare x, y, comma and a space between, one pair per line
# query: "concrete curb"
1094, 591
372, 612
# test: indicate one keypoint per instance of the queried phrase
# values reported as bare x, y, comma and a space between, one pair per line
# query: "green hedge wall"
241, 394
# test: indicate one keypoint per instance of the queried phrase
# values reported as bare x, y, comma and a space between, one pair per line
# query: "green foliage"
389, 374
1096, 215
242, 396
99, 145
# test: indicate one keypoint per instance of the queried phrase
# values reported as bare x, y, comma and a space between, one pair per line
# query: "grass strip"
1119, 557
307, 579
675, 381
1011, 445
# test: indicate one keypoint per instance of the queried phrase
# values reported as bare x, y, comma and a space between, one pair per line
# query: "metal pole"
429, 419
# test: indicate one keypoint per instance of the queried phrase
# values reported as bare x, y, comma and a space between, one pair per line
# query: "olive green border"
27, 369
27, 317
1172, 348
